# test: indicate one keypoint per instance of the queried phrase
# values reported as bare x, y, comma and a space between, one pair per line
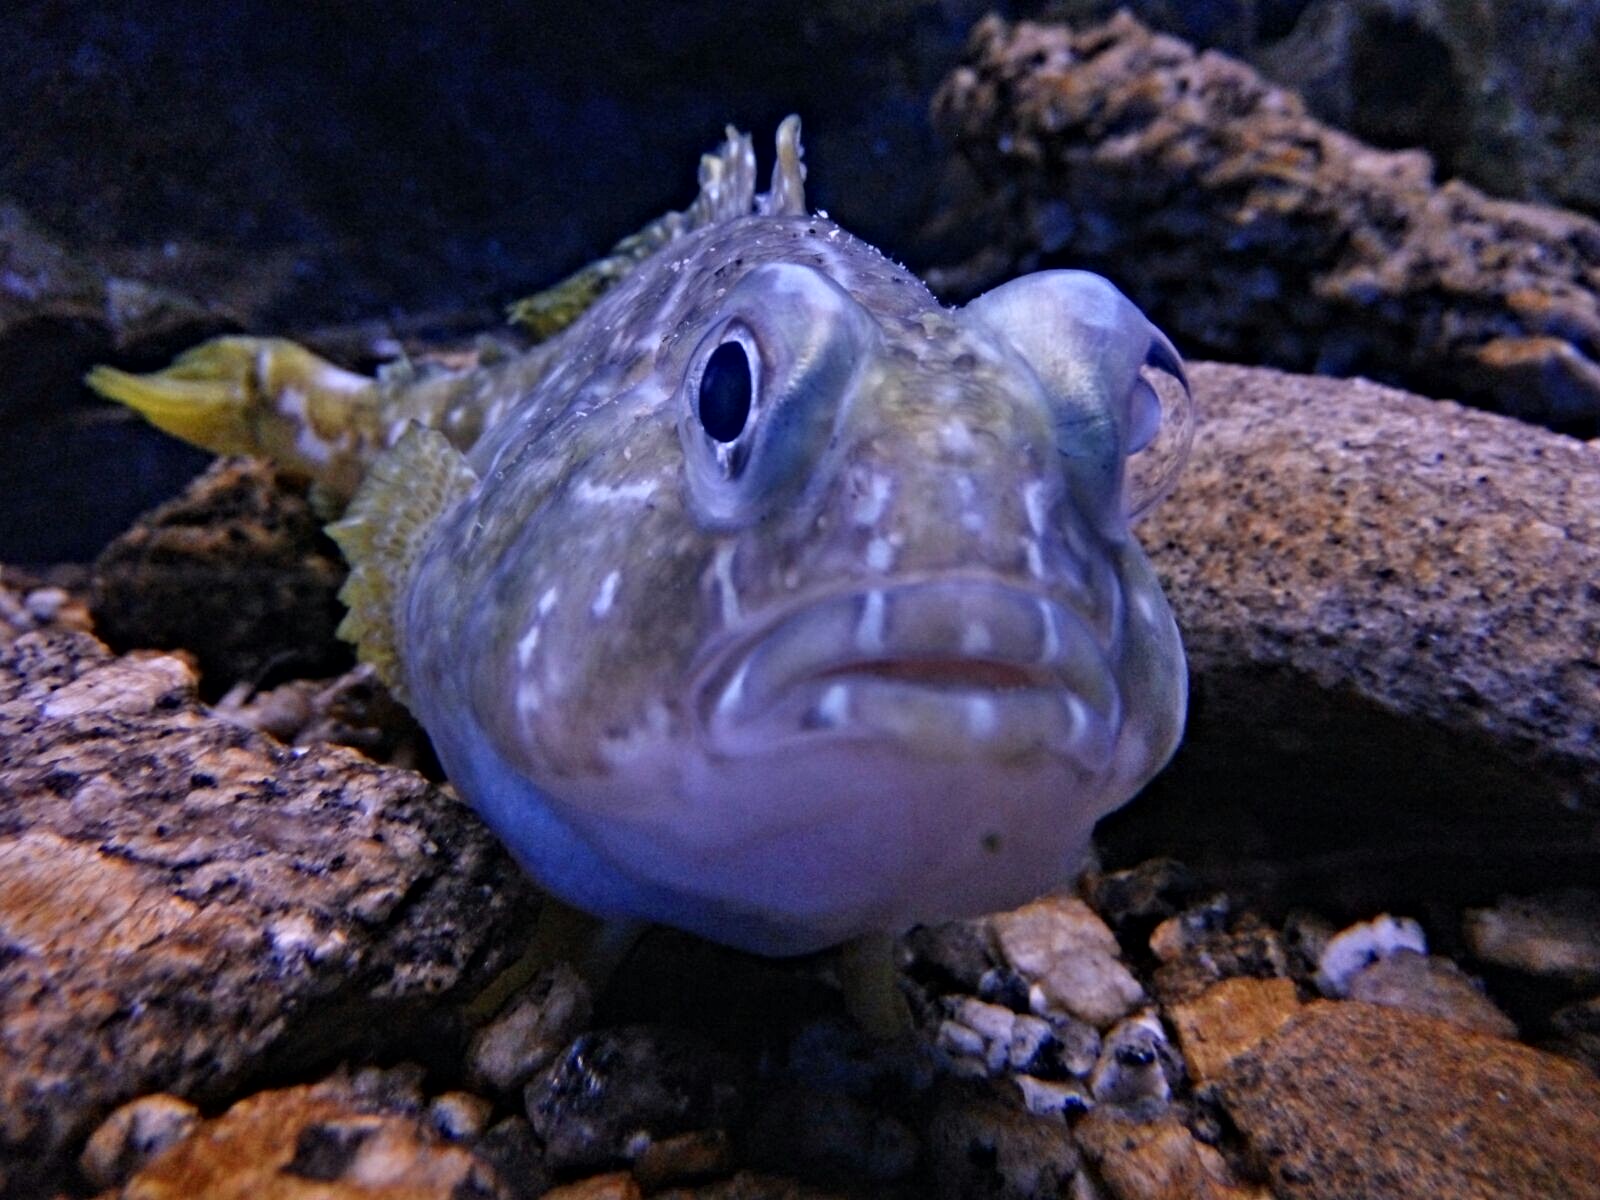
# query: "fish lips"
953, 668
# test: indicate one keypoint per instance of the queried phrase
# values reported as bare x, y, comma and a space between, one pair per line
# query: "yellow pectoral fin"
383, 531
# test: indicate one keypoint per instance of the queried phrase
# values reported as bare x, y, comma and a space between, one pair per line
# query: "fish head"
815, 608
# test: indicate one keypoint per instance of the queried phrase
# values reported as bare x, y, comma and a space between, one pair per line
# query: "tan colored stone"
1157, 1160
323, 1142
1434, 986
618, 1185
133, 1135
1061, 946
1227, 1019
1554, 935
174, 889
1355, 1100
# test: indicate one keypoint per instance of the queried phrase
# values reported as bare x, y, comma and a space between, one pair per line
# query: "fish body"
770, 599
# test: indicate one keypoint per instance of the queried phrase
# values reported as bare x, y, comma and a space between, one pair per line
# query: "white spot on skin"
1149, 612
834, 708
1051, 648
607, 595
1030, 547
734, 692
966, 492
1033, 499
880, 554
547, 601
528, 698
869, 634
957, 439
527, 644
975, 639
869, 508
602, 493
982, 719
722, 566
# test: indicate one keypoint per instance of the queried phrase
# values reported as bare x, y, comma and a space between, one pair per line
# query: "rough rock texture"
1251, 231
1350, 1101
1060, 947
237, 571
1392, 619
184, 902
1555, 934
327, 1141
1434, 986
1139, 1159
1502, 95
1227, 1019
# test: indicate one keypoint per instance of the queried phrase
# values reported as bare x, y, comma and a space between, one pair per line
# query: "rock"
1250, 231
184, 903
1134, 901
133, 1135
24, 609
1409, 589
1577, 1029
1227, 1019
615, 1185
526, 1035
1358, 947
1157, 1160
1208, 943
459, 1116
1554, 935
956, 955
615, 1092
353, 710
237, 571
980, 1146
1432, 985
326, 1141
1070, 958
1053, 1097
1350, 1099
1137, 1065
684, 1158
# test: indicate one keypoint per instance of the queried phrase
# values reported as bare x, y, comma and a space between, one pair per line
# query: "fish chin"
870, 760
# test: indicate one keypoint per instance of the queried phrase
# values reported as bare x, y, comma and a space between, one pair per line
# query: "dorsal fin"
727, 190
407, 489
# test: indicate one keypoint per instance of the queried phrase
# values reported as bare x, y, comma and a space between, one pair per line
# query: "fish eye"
725, 392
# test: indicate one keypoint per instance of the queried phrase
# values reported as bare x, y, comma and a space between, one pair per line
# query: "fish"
760, 594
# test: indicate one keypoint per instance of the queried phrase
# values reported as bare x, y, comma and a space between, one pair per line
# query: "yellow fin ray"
406, 490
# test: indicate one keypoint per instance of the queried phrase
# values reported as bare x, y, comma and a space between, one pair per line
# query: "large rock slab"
185, 903
1349, 1101
1392, 615
1253, 232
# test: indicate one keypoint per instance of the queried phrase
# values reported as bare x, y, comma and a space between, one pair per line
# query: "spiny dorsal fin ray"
405, 492
727, 191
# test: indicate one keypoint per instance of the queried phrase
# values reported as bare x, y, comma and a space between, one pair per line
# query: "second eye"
725, 392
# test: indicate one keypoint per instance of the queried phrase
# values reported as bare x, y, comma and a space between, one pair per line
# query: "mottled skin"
886, 657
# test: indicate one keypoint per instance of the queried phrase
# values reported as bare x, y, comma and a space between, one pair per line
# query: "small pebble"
1053, 1097
133, 1135
530, 1031
459, 1116
1070, 959
1555, 935
1131, 1069
1360, 945
1431, 985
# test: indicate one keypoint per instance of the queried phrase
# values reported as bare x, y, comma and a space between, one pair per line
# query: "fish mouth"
946, 668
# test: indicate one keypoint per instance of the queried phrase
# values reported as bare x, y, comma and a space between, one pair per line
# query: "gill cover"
1089, 346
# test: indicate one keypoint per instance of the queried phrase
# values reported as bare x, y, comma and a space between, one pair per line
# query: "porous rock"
1062, 948
1157, 1159
1554, 935
1251, 231
327, 1141
1391, 613
1433, 985
980, 1145
237, 571
1227, 1019
1351, 1099
184, 902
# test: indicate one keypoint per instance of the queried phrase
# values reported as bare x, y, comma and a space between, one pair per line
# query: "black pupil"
725, 392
